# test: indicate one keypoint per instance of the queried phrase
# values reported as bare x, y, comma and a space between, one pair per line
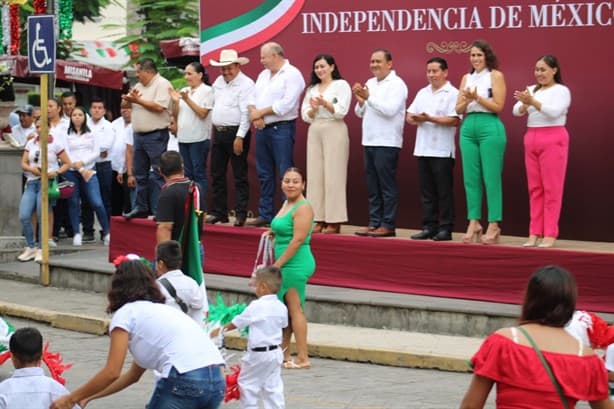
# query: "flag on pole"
190, 236
189, 239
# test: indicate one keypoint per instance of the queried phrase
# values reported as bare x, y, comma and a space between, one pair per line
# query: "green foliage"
161, 20
34, 99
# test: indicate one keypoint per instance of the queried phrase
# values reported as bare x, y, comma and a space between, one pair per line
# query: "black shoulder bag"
171, 290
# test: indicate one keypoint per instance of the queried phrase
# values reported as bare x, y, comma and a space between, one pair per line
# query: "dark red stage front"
454, 270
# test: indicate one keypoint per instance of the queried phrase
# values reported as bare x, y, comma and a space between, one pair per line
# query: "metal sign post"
41, 60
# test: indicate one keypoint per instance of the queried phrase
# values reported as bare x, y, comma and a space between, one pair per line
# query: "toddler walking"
261, 365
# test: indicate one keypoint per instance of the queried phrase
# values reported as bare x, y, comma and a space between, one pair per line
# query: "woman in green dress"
291, 229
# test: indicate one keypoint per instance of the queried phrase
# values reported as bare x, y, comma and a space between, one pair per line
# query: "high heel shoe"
472, 235
332, 228
532, 242
547, 242
318, 227
492, 237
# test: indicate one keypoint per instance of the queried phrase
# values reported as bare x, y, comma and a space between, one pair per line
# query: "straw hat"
228, 57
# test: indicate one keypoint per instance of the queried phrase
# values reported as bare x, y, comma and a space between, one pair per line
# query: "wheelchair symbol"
38, 47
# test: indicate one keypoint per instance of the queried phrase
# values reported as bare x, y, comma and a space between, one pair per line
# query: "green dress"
301, 266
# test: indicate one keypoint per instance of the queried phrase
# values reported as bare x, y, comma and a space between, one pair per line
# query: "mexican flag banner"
250, 28
192, 262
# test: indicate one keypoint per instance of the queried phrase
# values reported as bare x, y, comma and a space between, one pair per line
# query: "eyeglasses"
37, 155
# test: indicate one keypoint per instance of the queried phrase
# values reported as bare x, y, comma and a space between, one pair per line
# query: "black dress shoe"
216, 219
443, 235
136, 214
239, 222
258, 222
423, 235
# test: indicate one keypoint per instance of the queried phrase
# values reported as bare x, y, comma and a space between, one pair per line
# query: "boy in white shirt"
261, 364
188, 296
29, 387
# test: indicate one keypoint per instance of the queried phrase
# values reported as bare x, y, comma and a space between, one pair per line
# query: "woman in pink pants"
546, 145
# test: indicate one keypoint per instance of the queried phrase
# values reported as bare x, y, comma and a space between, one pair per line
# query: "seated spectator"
180, 290
29, 387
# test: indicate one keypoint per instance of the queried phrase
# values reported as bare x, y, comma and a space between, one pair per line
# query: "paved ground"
328, 385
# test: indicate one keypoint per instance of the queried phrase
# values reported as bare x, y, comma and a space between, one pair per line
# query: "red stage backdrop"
414, 31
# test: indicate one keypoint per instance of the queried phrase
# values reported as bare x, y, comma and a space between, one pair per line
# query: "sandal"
293, 365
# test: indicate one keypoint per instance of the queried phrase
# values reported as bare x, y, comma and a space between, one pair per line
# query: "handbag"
53, 192
66, 189
264, 257
557, 386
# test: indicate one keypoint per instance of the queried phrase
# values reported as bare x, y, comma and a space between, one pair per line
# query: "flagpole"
44, 224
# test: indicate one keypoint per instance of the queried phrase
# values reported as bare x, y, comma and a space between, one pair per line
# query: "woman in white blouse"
83, 150
326, 103
191, 106
482, 141
158, 337
546, 146
31, 163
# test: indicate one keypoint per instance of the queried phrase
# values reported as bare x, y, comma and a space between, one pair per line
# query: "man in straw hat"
231, 135
273, 112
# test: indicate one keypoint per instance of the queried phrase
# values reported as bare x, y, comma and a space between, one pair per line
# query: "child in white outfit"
29, 387
261, 364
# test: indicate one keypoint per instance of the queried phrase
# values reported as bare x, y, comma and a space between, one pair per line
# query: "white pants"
261, 375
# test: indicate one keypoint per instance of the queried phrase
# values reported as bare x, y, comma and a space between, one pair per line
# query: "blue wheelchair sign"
41, 44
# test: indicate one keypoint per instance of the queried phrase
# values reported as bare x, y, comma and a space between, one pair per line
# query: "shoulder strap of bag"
171, 290
557, 386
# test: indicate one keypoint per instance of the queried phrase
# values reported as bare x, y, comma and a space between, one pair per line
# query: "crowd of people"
218, 119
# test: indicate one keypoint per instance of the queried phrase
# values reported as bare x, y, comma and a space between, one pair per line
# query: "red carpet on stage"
454, 270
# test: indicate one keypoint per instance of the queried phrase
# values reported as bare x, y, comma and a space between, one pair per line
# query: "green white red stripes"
248, 30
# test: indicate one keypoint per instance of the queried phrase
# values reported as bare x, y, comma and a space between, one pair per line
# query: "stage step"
90, 271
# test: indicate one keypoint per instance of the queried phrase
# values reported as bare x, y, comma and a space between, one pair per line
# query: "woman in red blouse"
507, 359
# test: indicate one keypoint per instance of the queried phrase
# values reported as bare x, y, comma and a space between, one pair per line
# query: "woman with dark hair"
327, 101
482, 141
31, 200
511, 356
291, 229
546, 145
191, 106
83, 150
159, 337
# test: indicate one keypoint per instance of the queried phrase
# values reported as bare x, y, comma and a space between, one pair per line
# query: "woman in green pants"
482, 141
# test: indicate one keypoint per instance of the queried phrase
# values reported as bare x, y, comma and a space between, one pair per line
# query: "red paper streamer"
600, 334
232, 384
15, 29
40, 7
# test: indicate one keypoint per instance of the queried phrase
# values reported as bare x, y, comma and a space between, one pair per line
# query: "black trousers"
222, 153
436, 176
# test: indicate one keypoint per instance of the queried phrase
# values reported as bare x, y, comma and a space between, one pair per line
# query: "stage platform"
493, 273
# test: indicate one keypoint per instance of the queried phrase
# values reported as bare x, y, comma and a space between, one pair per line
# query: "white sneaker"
106, 239
77, 240
29, 253
52, 243
39, 256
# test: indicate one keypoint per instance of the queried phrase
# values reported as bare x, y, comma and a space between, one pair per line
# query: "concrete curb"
99, 326
73, 322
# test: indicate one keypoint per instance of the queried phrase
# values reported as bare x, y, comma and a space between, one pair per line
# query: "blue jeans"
92, 193
148, 147
31, 201
104, 173
194, 157
201, 388
381, 171
274, 152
